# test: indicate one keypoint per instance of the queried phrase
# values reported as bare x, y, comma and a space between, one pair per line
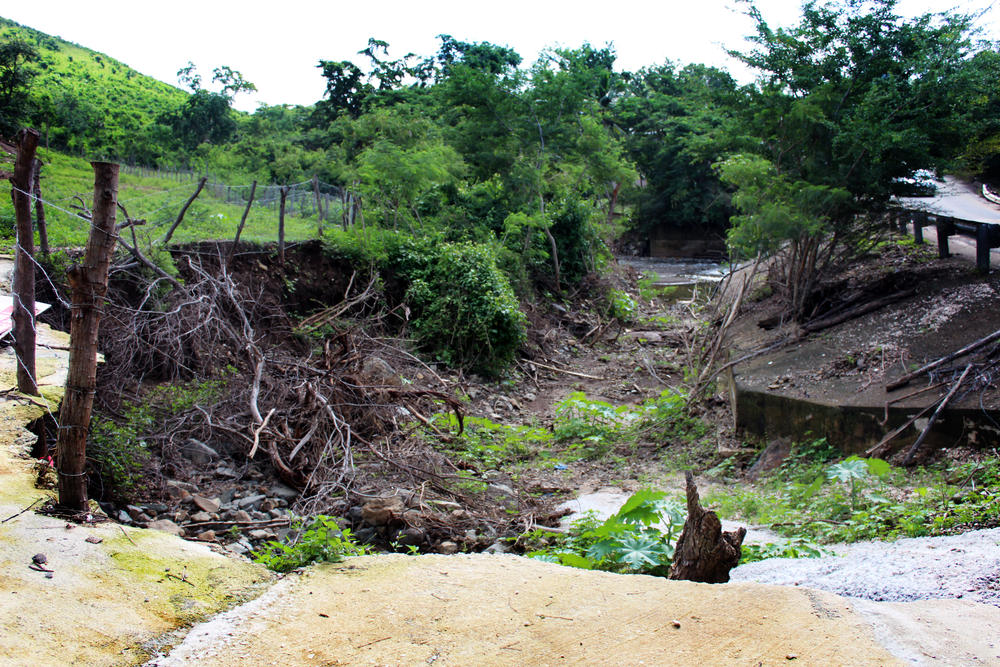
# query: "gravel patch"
963, 566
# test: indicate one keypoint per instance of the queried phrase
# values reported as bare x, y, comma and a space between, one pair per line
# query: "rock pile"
239, 516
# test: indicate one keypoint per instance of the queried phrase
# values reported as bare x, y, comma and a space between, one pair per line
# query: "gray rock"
276, 514
198, 452
250, 501
123, 517
226, 497
261, 534
447, 547
241, 515
282, 491
200, 517
167, 526
380, 511
772, 457
497, 548
412, 537
225, 471
206, 504
206, 536
135, 513
154, 508
377, 371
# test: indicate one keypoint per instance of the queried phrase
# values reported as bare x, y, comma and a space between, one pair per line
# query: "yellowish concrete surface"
508, 610
109, 601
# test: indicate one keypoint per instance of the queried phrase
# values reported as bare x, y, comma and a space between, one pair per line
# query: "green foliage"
322, 541
119, 448
622, 306
464, 310
793, 548
774, 209
638, 539
490, 445
859, 499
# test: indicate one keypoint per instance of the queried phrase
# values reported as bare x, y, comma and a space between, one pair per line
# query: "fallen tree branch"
564, 371
908, 459
971, 347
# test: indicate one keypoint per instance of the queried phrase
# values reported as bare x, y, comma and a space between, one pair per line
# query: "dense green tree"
206, 116
856, 96
15, 75
850, 100
678, 123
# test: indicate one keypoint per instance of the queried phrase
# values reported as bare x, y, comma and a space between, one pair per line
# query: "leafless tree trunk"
36, 179
180, 216
89, 284
24, 267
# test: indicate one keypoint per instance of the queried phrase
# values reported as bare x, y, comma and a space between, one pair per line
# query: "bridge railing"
987, 235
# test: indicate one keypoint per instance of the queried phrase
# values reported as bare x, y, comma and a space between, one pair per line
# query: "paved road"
956, 199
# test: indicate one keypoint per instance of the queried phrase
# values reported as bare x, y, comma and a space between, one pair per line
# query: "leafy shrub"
794, 548
323, 541
465, 311
638, 539
622, 306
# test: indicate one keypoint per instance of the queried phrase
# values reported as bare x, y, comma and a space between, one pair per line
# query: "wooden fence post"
243, 221
89, 284
319, 208
24, 267
281, 226
43, 233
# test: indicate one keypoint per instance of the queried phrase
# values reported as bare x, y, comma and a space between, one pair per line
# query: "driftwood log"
704, 553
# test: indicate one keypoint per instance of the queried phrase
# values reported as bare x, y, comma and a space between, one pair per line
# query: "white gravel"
923, 568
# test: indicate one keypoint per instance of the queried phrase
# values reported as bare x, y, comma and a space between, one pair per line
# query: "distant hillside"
85, 102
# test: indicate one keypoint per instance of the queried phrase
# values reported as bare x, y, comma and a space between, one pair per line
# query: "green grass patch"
853, 499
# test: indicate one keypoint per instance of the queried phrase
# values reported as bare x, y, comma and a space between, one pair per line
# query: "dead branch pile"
331, 415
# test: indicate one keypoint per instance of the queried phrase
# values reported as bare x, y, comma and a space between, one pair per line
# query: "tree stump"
704, 553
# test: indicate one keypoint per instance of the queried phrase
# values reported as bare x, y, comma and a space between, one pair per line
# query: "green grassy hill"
85, 102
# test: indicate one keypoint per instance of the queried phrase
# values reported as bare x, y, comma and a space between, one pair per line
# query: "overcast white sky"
277, 44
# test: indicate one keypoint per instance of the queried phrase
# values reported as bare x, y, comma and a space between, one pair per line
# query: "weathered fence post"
901, 217
180, 215
243, 221
89, 284
319, 208
24, 268
36, 180
281, 226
